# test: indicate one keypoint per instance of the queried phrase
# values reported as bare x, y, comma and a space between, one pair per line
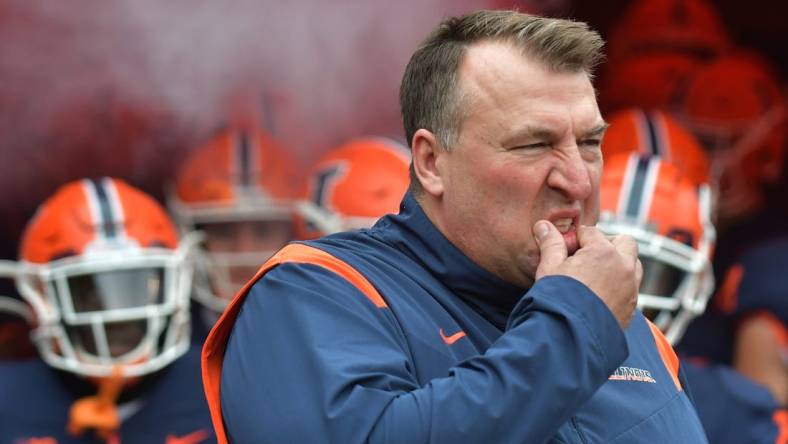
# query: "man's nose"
571, 175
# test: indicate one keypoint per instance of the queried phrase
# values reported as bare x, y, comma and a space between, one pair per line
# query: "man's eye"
532, 146
591, 142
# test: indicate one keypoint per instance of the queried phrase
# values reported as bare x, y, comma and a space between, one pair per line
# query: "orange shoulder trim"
214, 347
301, 253
780, 419
727, 296
667, 354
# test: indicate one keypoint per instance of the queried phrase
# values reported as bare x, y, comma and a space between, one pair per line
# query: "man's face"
528, 149
248, 236
240, 248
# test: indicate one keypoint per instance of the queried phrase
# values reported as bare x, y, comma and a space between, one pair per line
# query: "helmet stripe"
116, 207
662, 136
652, 175
655, 147
244, 159
93, 207
633, 207
640, 121
324, 182
101, 209
626, 186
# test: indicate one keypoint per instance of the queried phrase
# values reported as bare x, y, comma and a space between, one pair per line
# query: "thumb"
552, 248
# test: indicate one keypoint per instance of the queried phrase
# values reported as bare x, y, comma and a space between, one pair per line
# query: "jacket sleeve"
310, 359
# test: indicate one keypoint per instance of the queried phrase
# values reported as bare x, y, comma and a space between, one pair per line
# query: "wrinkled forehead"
500, 79
500, 63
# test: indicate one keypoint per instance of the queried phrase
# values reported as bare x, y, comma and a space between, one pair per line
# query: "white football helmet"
239, 190
108, 282
352, 186
669, 216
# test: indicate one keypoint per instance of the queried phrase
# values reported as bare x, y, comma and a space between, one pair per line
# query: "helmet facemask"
236, 240
669, 217
677, 279
237, 189
126, 307
327, 222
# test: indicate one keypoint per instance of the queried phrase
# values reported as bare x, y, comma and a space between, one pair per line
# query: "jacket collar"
412, 232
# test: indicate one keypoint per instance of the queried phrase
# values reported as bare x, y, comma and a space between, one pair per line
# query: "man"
691, 27
238, 189
670, 220
488, 309
109, 281
647, 80
15, 318
654, 132
669, 216
752, 302
736, 108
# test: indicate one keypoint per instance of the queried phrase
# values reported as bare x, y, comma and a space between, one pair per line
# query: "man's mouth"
564, 225
567, 226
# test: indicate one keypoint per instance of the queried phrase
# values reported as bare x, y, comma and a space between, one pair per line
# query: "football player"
108, 280
669, 216
649, 80
352, 186
655, 132
735, 108
753, 298
691, 27
15, 320
239, 190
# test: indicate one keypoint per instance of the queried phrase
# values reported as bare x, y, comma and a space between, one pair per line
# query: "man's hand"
608, 266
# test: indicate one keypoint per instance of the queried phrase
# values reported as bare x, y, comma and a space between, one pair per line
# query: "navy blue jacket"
450, 354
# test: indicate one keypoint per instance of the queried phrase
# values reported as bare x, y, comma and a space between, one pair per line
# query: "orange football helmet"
108, 281
352, 186
648, 81
735, 108
669, 217
239, 189
656, 133
692, 27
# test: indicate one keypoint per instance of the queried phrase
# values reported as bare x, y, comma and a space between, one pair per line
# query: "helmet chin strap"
98, 412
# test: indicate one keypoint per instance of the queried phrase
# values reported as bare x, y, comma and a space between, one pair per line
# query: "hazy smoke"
127, 87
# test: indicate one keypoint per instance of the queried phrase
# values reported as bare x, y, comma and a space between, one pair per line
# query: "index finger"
587, 235
625, 245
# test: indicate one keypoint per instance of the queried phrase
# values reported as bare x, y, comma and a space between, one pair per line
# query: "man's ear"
426, 151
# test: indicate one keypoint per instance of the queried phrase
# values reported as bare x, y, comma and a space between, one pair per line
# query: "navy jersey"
733, 409
202, 320
763, 282
34, 407
764, 226
756, 283
435, 350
